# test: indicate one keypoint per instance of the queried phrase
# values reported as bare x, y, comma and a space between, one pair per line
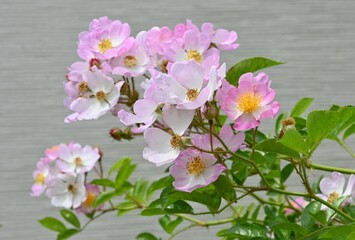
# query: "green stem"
182, 230
330, 168
205, 224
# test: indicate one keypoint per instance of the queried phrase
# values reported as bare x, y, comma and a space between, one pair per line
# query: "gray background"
38, 41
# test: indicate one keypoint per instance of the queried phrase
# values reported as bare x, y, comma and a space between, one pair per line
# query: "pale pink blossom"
162, 147
333, 188
250, 102
131, 63
193, 169
222, 38
40, 175
76, 158
298, 204
67, 190
92, 192
104, 42
104, 95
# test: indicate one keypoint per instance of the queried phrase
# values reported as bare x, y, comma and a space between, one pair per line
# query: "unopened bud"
118, 134
288, 122
95, 62
210, 112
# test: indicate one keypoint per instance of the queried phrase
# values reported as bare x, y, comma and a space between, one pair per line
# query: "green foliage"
301, 106
146, 236
243, 230
346, 232
52, 224
156, 208
224, 188
67, 233
293, 140
168, 224
249, 65
70, 217
272, 145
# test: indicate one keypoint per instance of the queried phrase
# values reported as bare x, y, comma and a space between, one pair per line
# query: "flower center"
83, 87
100, 95
164, 66
248, 102
72, 188
40, 178
104, 45
130, 61
195, 166
194, 54
332, 197
78, 161
192, 94
176, 141
89, 199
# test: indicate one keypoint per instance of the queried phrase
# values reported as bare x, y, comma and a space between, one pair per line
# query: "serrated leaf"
293, 140
168, 224
225, 189
292, 227
155, 208
124, 172
104, 182
350, 131
301, 106
117, 165
308, 215
52, 224
67, 234
345, 232
286, 172
249, 65
70, 217
244, 230
103, 197
271, 145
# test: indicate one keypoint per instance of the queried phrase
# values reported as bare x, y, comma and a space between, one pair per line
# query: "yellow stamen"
130, 61
332, 197
176, 141
192, 94
90, 198
40, 178
78, 161
104, 45
100, 95
248, 102
83, 87
164, 66
72, 188
195, 166
194, 54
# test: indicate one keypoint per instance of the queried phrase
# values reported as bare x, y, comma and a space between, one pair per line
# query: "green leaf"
292, 227
345, 232
349, 131
169, 195
104, 182
301, 106
125, 170
271, 145
249, 65
67, 233
52, 224
258, 138
159, 184
293, 140
225, 189
308, 217
147, 236
244, 230
70, 217
286, 172
125, 207
169, 225
103, 197
155, 208
117, 165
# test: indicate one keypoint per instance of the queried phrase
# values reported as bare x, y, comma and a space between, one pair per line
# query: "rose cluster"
182, 80
61, 174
